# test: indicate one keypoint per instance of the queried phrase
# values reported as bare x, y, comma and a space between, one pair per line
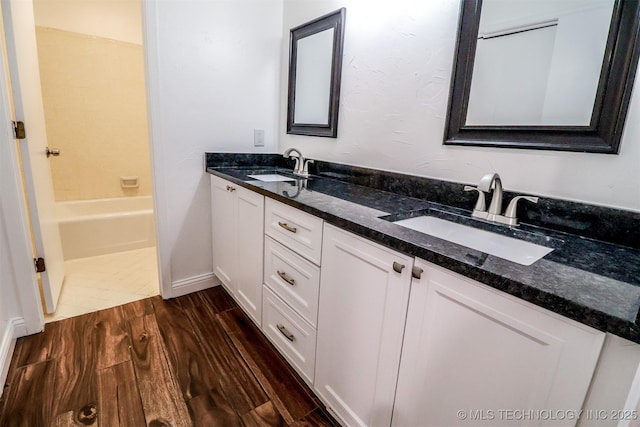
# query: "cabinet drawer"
295, 229
292, 278
290, 333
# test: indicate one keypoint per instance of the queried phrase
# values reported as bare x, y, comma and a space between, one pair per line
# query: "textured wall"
9, 306
395, 86
216, 81
95, 109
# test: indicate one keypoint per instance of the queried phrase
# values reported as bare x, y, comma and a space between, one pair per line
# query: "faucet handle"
480, 209
296, 167
305, 167
510, 212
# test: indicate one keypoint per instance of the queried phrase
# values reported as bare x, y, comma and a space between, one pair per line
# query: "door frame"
14, 205
161, 205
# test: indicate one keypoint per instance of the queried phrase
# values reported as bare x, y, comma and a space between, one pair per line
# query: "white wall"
9, 304
575, 68
510, 76
545, 76
112, 19
213, 79
395, 87
19, 311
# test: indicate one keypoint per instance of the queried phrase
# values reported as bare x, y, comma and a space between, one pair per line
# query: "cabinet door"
250, 237
473, 355
223, 222
362, 309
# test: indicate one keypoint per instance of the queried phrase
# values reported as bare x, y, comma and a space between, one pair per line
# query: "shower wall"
95, 110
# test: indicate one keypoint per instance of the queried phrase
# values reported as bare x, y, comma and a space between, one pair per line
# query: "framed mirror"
543, 75
315, 68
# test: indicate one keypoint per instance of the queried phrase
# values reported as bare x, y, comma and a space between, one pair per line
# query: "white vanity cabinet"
382, 349
364, 292
238, 233
473, 355
614, 395
292, 254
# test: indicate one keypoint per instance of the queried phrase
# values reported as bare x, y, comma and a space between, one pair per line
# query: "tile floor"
105, 281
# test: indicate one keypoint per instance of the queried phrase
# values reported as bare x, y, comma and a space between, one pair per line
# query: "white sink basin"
271, 177
508, 248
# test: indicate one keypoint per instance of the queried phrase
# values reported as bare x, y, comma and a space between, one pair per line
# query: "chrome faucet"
302, 165
487, 183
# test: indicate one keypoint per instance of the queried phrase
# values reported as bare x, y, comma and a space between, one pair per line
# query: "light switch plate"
258, 137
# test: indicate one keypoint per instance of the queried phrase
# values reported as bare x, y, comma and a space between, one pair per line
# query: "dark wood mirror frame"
602, 135
333, 20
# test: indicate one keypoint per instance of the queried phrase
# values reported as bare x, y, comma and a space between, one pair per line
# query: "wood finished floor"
193, 360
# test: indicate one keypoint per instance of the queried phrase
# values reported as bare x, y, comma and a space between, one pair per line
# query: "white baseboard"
193, 284
19, 327
15, 328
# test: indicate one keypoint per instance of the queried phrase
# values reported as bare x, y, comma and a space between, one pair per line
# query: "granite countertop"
591, 281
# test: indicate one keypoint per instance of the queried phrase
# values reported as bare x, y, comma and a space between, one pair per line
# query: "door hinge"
18, 130
40, 266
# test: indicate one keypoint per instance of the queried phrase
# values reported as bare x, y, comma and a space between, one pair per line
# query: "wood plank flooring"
195, 360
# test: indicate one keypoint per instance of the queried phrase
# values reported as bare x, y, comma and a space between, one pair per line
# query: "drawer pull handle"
286, 278
397, 267
284, 331
287, 227
230, 188
416, 272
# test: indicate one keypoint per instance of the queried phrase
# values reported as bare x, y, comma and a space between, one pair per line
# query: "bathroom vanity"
388, 324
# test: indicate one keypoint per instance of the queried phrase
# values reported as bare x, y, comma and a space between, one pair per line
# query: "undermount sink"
271, 177
515, 250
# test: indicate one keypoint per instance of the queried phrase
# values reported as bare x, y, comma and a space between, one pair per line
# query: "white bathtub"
102, 226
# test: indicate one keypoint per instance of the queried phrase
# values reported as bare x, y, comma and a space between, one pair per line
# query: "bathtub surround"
96, 114
594, 282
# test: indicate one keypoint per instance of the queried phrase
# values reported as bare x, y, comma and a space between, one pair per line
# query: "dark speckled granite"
596, 222
596, 282
247, 160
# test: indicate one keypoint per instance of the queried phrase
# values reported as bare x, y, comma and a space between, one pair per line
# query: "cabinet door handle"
287, 227
230, 188
286, 278
416, 272
284, 331
397, 267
